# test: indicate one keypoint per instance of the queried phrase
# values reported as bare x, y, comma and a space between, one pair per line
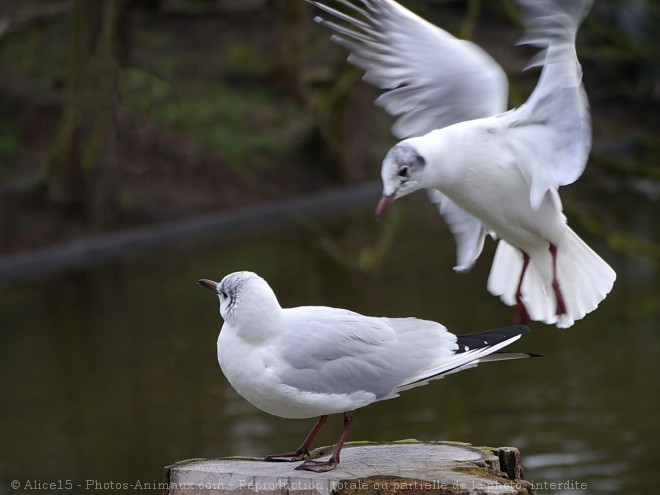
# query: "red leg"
522, 317
330, 464
303, 450
561, 307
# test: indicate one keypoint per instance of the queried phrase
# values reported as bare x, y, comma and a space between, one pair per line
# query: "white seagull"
488, 170
312, 361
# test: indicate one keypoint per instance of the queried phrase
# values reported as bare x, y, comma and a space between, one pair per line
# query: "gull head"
243, 296
402, 173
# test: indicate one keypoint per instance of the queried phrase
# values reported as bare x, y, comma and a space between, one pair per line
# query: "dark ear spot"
408, 159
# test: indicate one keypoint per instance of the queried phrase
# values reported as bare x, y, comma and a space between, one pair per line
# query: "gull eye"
223, 294
403, 172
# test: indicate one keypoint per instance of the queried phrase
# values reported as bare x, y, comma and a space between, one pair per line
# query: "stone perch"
408, 466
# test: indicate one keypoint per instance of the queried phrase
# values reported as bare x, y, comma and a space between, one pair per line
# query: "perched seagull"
314, 361
488, 170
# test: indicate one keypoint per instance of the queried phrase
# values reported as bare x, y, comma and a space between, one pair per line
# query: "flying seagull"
488, 170
312, 361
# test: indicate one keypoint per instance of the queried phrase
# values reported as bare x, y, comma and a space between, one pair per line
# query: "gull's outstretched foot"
561, 306
522, 316
318, 466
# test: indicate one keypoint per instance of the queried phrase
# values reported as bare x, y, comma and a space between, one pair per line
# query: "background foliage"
122, 112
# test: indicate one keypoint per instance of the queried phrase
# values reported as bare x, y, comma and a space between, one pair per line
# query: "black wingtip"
489, 337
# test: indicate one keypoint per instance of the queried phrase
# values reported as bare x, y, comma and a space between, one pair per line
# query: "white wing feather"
555, 120
431, 78
469, 232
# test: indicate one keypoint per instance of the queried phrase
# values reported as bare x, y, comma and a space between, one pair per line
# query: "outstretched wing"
431, 78
555, 120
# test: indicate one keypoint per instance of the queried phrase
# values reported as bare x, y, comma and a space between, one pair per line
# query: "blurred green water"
110, 374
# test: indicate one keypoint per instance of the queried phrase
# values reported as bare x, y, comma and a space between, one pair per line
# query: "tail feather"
507, 356
507, 262
489, 338
537, 293
504, 276
470, 351
585, 279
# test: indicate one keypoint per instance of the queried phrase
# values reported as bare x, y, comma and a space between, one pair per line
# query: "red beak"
384, 202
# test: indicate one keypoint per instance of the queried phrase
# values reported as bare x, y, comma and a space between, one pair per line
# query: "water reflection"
111, 373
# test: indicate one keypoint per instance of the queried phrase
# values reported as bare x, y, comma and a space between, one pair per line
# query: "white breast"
480, 174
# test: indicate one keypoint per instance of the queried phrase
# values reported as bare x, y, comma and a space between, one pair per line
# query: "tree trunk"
365, 469
80, 171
